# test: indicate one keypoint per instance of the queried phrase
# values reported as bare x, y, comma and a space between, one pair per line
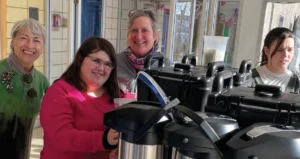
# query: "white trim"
283, 1
171, 30
260, 39
192, 26
78, 25
213, 10
72, 26
118, 44
203, 24
237, 34
48, 26
103, 18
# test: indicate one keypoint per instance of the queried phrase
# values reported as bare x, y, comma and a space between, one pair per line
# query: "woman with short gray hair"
22, 88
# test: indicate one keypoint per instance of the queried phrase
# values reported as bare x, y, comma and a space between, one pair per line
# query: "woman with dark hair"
277, 53
73, 108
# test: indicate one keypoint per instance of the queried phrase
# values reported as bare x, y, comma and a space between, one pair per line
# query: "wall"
111, 21
249, 31
18, 10
59, 54
127, 6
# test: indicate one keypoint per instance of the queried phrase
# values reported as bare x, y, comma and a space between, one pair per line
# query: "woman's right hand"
113, 137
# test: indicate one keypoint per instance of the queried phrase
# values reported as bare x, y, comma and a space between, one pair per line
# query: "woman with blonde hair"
142, 40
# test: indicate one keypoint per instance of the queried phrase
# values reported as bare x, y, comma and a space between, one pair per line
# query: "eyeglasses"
31, 92
98, 62
149, 12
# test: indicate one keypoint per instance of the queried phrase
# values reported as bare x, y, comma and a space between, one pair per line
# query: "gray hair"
143, 13
35, 26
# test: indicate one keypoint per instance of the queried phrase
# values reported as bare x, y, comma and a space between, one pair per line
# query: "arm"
57, 122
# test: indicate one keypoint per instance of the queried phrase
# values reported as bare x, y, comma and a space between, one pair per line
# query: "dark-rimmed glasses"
28, 79
98, 62
149, 12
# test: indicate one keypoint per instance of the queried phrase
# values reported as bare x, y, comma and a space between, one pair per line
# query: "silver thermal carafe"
198, 135
141, 126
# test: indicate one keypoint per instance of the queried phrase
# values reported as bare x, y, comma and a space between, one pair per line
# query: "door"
91, 11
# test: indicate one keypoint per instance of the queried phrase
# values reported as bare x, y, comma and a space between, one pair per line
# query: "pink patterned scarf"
137, 63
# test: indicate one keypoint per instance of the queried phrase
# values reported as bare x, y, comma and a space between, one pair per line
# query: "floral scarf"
137, 63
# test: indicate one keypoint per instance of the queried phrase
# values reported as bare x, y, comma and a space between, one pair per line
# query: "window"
280, 23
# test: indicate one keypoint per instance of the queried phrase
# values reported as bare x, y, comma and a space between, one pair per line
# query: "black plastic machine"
152, 130
190, 84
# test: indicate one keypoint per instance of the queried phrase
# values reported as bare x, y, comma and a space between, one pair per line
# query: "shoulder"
167, 61
122, 62
62, 85
255, 72
120, 56
296, 76
40, 76
61, 89
41, 79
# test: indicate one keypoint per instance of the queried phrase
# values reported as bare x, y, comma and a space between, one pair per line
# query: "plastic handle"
215, 67
156, 56
150, 82
183, 67
154, 119
189, 59
209, 131
219, 81
245, 66
268, 90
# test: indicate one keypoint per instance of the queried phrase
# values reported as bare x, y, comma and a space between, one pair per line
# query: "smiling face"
27, 47
141, 36
278, 63
95, 69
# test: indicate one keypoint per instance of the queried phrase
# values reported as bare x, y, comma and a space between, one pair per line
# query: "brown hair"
91, 45
143, 13
280, 34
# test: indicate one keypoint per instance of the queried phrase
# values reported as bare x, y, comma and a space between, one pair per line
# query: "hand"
113, 137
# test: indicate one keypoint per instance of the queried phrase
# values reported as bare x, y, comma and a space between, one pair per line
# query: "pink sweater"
73, 123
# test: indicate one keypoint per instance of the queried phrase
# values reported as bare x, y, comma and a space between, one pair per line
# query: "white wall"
249, 31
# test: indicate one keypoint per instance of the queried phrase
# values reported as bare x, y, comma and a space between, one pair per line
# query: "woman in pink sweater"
73, 107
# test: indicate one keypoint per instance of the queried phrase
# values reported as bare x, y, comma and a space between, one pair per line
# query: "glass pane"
284, 15
182, 29
226, 26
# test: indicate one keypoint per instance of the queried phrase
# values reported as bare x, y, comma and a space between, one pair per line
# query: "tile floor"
36, 143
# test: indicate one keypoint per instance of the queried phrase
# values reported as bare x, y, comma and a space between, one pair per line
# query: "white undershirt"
270, 78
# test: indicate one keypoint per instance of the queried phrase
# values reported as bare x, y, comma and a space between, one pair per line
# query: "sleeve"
57, 121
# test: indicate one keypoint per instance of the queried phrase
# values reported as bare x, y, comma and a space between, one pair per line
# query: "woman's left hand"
113, 137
